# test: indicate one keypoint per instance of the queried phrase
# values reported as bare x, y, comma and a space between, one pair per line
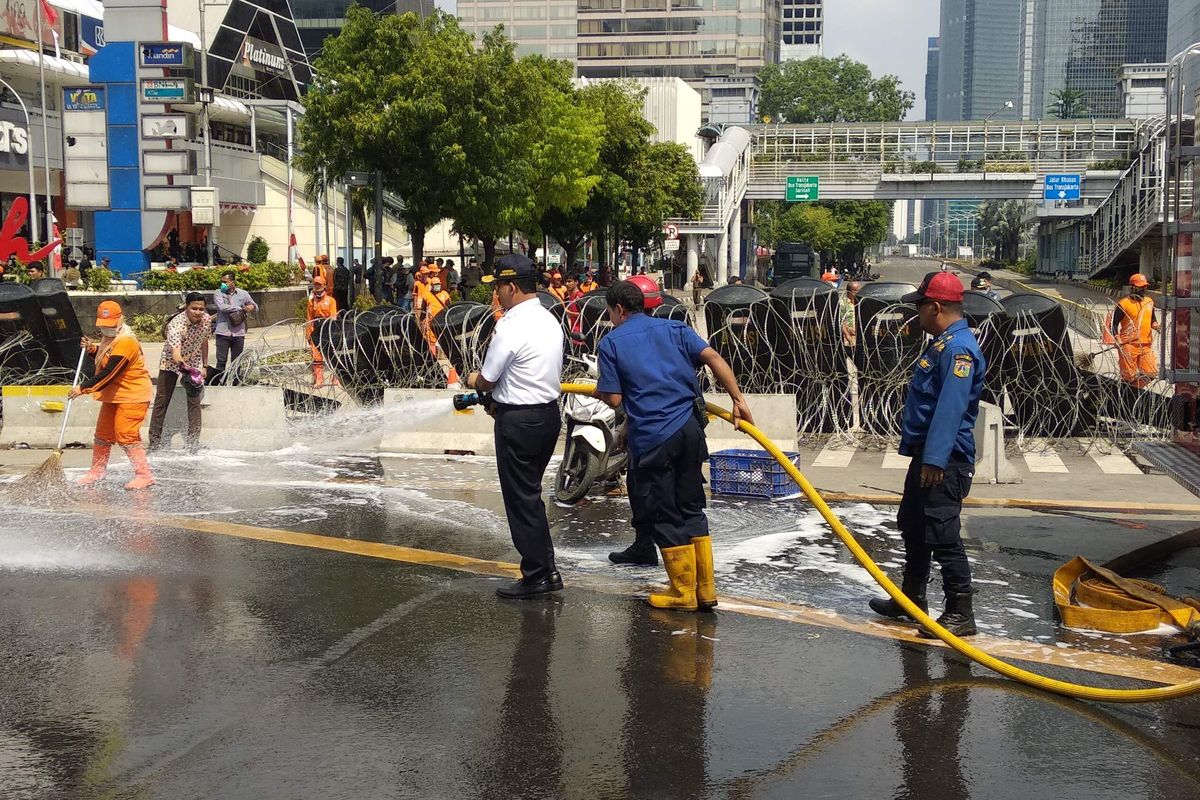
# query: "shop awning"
60, 71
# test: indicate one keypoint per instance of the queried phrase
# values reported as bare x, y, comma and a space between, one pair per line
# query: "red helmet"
649, 289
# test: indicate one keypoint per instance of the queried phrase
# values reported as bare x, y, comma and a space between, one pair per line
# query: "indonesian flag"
294, 251
49, 12
56, 254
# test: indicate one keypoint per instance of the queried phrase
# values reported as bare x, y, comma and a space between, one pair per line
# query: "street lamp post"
33, 224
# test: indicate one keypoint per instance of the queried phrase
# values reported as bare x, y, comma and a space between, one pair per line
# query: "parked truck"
795, 260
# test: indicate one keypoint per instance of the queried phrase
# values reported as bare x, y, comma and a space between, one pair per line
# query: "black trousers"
666, 488
525, 440
165, 388
228, 349
929, 522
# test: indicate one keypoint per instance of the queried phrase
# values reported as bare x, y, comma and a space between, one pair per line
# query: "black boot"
913, 588
958, 618
642, 553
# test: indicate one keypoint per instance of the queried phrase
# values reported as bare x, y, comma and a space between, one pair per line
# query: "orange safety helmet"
1138, 280
649, 289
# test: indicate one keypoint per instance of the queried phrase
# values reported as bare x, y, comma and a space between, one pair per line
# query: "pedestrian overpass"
1120, 161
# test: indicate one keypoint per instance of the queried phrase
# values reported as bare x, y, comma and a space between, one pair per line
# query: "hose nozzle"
465, 400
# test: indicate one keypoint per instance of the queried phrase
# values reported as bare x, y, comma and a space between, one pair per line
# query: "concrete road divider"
774, 415
234, 418
991, 464
33, 416
434, 427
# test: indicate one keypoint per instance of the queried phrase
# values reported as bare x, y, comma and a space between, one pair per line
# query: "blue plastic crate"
751, 473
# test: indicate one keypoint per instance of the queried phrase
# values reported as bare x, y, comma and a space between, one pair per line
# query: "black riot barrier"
590, 320
1038, 371
400, 353
803, 329
888, 340
25, 344
463, 331
733, 333
985, 316
345, 345
671, 308
552, 304
62, 325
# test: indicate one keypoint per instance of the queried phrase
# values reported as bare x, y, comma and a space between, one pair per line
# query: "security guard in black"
937, 431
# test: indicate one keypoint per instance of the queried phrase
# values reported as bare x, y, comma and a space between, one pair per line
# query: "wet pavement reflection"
145, 660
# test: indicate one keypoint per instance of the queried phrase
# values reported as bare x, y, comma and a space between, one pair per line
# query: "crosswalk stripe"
836, 458
1044, 460
895, 461
1115, 463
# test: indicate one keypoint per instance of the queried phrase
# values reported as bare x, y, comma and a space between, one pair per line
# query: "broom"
50, 474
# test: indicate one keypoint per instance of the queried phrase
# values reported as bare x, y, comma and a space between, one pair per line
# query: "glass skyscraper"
317, 19
979, 60
1183, 29
1079, 46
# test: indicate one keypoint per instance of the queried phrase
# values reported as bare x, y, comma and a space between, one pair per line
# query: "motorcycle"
595, 448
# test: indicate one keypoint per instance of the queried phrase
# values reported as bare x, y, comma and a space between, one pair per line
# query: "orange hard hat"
650, 290
318, 281
1139, 280
108, 314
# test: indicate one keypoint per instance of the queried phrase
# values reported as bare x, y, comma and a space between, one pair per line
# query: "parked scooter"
595, 448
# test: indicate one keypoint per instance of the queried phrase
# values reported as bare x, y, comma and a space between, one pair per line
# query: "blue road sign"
1063, 187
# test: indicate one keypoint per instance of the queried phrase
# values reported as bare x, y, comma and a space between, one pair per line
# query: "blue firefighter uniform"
938, 430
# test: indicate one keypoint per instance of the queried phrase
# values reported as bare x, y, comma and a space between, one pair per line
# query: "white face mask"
108, 333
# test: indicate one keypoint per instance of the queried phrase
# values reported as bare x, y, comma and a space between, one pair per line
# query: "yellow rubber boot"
706, 583
681, 572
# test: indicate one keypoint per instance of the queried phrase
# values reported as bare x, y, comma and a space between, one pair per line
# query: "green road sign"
803, 188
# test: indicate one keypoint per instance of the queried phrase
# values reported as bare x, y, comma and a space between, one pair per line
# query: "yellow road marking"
1108, 664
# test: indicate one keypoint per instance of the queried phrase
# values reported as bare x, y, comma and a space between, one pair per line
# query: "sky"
889, 36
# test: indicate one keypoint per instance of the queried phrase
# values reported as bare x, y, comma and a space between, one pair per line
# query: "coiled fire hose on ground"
1076, 690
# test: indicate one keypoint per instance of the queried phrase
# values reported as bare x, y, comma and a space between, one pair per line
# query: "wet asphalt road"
145, 660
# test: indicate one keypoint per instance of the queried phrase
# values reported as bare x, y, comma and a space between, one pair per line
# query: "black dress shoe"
636, 556
525, 588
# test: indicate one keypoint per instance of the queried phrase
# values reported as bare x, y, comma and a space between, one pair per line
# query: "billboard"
14, 139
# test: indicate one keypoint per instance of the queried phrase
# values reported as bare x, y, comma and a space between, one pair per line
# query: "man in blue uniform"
938, 432
649, 365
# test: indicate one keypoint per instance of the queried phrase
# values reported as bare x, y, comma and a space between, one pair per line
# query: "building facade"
687, 39
979, 62
1143, 90
802, 29
1183, 30
320, 19
931, 78
1079, 46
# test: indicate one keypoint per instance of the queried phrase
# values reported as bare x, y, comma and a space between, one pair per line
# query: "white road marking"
895, 461
1044, 460
837, 458
1115, 463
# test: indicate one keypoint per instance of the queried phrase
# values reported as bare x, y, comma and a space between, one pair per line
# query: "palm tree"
1002, 223
1068, 104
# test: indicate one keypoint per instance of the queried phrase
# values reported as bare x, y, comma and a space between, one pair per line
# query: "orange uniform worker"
1133, 325
557, 288
588, 285
320, 306
432, 299
323, 271
122, 385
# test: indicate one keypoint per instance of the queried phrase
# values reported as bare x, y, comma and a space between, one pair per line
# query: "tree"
526, 145
665, 184
1068, 104
618, 108
830, 90
385, 99
1002, 223
811, 224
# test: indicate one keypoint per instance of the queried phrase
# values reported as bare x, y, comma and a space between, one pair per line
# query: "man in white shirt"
523, 370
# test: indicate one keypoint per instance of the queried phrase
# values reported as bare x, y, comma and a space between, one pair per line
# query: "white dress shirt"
524, 359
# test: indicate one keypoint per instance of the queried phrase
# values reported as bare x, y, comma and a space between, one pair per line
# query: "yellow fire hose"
1012, 671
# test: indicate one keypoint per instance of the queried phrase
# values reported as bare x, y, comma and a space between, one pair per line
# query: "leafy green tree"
830, 90
618, 108
812, 224
1002, 223
525, 145
665, 184
1068, 104
385, 99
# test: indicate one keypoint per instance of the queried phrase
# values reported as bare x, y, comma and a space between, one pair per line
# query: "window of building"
528, 49
529, 12
563, 51
529, 32
561, 12
492, 12
654, 25
562, 31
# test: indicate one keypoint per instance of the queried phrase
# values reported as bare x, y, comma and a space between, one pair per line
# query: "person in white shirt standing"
523, 370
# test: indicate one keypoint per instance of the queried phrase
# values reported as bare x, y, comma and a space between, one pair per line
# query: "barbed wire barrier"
1049, 368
